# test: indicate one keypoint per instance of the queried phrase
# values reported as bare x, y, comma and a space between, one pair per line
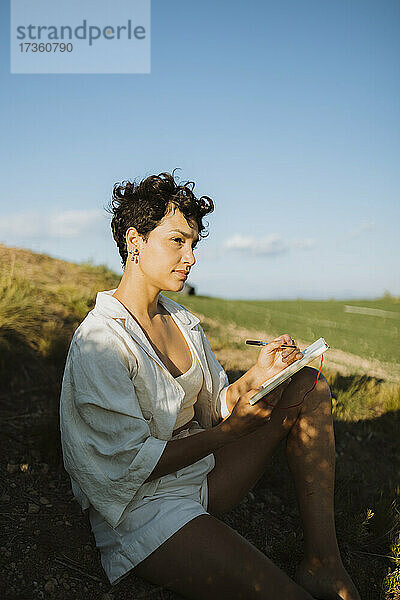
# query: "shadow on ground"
49, 551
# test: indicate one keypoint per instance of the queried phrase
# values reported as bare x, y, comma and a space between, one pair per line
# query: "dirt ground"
47, 548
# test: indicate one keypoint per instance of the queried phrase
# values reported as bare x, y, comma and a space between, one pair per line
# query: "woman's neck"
138, 297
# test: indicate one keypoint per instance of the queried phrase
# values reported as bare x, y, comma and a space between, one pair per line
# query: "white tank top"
191, 382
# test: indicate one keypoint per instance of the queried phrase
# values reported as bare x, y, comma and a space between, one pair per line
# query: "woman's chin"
175, 286
179, 286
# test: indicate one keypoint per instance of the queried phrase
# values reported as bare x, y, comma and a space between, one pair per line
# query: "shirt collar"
109, 306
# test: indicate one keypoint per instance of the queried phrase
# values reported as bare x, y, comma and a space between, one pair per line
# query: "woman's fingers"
285, 338
289, 355
274, 345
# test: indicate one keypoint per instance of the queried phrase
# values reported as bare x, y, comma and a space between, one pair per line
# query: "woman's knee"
307, 376
304, 391
321, 392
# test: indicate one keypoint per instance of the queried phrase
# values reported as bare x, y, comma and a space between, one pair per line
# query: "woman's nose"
189, 257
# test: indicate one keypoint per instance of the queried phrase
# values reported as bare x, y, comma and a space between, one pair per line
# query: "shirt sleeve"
107, 445
225, 412
219, 378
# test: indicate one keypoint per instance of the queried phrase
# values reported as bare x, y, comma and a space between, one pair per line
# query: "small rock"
44, 500
33, 509
13, 485
49, 587
12, 468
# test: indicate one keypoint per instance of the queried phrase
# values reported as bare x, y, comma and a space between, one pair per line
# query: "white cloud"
361, 228
271, 245
27, 226
73, 223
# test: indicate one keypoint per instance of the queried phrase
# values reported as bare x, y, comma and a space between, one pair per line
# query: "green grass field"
375, 335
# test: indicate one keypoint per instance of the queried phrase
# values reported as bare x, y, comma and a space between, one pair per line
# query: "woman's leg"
311, 458
206, 559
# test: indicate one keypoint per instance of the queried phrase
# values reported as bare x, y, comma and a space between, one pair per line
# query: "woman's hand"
272, 359
246, 417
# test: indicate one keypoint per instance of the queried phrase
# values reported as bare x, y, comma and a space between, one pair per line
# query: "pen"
260, 343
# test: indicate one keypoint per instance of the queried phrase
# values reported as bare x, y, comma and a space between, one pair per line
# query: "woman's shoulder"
98, 342
94, 324
100, 332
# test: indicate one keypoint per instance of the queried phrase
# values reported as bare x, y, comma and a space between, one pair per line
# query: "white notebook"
311, 352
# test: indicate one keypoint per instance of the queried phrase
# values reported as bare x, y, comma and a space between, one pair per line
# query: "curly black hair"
143, 205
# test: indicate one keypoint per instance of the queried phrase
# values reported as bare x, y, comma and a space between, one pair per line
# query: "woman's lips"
182, 274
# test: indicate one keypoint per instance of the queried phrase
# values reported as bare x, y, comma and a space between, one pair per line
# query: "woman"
158, 444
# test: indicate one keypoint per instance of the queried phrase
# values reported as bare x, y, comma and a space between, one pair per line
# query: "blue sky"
285, 113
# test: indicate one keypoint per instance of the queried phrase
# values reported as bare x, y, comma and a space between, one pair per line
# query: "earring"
135, 256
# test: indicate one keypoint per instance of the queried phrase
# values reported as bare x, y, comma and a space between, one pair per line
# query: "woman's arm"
244, 419
108, 448
185, 451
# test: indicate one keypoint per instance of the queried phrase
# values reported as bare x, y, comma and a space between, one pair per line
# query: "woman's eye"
182, 241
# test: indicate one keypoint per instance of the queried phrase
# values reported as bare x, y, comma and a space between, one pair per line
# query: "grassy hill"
48, 540
366, 328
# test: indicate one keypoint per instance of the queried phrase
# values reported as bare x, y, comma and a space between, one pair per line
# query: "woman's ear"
133, 239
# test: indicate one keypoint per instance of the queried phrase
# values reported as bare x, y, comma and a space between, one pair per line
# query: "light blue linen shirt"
119, 405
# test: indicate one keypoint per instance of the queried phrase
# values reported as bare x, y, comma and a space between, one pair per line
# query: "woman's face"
167, 257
